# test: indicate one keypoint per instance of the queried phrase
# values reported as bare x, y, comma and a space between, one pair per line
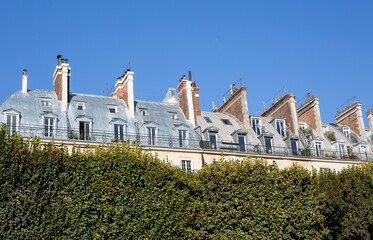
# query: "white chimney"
24, 81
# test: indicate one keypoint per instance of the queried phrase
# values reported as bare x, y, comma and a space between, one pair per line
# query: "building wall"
236, 105
201, 157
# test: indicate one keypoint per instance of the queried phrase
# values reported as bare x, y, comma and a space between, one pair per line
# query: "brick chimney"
285, 107
236, 105
309, 112
61, 81
352, 117
189, 99
124, 91
370, 118
24, 81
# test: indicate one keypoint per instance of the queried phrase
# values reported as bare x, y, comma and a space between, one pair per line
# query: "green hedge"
121, 192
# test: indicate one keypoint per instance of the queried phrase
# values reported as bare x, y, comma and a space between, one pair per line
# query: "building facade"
179, 132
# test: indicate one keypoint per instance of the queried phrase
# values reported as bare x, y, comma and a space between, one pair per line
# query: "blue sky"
322, 47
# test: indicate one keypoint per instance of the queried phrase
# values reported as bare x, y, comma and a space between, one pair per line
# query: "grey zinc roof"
225, 130
159, 117
97, 109
29, 105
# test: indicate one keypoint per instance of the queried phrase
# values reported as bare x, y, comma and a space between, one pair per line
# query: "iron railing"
167, 141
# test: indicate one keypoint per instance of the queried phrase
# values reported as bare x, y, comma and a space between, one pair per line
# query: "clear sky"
322, 47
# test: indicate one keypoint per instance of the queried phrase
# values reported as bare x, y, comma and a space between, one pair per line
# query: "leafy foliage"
118, 191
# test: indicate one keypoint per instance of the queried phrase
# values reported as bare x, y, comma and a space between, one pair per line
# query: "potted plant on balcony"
330, 135
307, 132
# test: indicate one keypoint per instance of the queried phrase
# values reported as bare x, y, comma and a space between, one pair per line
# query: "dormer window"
113, 109
46, 102
303, 125
144, 112
207, 119
369, 134
347, 132
80, 106
325, 128
280, 126
256, 124
226, 122
11, 123
173, 116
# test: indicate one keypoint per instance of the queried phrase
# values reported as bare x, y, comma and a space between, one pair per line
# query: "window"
208, 120
48, 127
113, 109
84, 130
226, 122
212, 137
302, 125
182, 138
241, 142
151, 136
255, 123
11, 123
323, 170
346, 131
46, 102
342, 151
144, 112
325, 128
186, 165
268, 144
280, 126
369, 134
294, 146
174, 116
318, 147
118, 132
80, 106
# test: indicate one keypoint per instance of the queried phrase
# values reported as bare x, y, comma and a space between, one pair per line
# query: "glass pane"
213, 141
121, 132
294, 147
14, 124
268, 145
241, 142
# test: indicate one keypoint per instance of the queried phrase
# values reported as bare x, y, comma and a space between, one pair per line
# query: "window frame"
13, 127
119, 135
186, 165
257, 128
48, 128
182, 139
208, 119
281, 129
151, 133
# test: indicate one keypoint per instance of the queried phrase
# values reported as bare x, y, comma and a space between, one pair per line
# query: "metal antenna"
349, 100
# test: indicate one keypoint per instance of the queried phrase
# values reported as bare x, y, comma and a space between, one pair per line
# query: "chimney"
285, 107
24, 81
236, 105
61, 81
370, 118
124, 91
309, 112
189, 99
352, 117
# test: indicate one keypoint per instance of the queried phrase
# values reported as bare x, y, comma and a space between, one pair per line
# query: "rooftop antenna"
349, 100
271, 99
127, 67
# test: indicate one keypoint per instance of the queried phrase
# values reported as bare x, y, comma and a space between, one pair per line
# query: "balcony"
98, 136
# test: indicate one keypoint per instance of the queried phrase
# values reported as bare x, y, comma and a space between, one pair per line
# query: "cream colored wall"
174, 156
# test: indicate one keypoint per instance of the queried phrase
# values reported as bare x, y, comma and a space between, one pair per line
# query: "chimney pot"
24, 72
59, 60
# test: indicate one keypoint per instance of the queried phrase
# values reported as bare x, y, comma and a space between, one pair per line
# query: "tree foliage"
118, 191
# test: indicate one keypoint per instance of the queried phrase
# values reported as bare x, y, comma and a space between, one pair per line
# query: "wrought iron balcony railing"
77, 135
